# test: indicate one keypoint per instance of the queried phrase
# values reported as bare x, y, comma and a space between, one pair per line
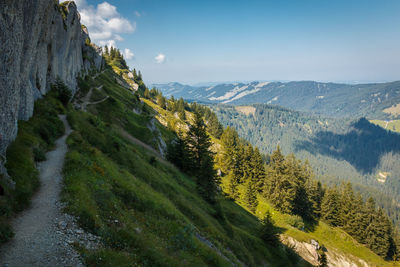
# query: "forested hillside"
375, 101
337, 149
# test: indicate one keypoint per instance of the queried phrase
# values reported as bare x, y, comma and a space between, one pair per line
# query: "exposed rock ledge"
309, 253
40, 41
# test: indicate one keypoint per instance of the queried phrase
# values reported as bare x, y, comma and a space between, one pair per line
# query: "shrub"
153, 160
295, 221
39, 154
6, 232
64, 93
268, 232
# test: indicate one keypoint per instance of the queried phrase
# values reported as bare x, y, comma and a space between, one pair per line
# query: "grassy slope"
392, 125
331, 237
148, 213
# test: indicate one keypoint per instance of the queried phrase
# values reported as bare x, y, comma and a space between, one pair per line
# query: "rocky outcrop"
309, 252
40, 41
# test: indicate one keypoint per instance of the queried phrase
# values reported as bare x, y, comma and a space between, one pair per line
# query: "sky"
218, 41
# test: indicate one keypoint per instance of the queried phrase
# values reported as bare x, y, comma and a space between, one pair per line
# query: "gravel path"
38, 241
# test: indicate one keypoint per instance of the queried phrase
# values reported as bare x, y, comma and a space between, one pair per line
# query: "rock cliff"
40, 41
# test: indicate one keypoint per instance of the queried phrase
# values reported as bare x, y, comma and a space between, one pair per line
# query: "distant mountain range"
374, 100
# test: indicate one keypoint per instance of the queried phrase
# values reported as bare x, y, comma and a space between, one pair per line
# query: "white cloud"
160, 58
128, 54
104, 22
106, 10
137, 13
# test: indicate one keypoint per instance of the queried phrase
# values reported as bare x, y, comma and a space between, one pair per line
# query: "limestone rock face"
39, 41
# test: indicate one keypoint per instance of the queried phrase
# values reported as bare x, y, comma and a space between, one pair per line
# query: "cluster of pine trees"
337, 148
362, 220
178, 106
192, 154
286, 182
115, 55
290, 186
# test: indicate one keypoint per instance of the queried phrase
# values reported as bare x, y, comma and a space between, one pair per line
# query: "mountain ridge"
331, 99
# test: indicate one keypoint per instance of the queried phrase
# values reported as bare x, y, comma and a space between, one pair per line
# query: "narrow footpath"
37, 239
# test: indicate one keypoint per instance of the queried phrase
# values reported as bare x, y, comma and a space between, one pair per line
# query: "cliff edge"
41, 41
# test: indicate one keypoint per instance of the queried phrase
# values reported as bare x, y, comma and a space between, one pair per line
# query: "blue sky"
216, 41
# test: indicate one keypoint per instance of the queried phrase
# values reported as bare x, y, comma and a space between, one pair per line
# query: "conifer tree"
146, 93
330, 206
161, 101
199, 143
258, 169
280, 188
268, 231
347, 209
378, 233
134, 75
250, 195
180, 108
214, 127
177, 153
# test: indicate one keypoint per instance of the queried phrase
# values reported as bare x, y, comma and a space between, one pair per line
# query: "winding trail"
36, 241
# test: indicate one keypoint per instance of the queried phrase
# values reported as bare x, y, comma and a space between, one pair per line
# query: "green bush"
39, 154
64, 93
295, 221
268, 231
6, 232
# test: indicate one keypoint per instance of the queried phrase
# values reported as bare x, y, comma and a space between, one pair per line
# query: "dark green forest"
338, 149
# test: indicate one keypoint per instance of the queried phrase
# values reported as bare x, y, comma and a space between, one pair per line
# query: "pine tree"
322, 259
258, 169
199, 143
378, 234
250, 196
180, 108
347, 210
161, 101
177, 153
315, 196
268, 231
280, 188
357, 224
214, 127
135, 76
330, 207
146, 93
106, 52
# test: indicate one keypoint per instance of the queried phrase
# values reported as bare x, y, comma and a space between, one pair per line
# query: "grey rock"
37, 46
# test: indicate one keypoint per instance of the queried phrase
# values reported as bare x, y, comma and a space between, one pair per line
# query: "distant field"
392, 125
394, 110
247, 110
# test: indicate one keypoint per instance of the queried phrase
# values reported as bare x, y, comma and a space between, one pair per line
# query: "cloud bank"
104, 22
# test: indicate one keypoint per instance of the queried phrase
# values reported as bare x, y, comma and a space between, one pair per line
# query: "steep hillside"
332, 99
145, 210
337, 149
